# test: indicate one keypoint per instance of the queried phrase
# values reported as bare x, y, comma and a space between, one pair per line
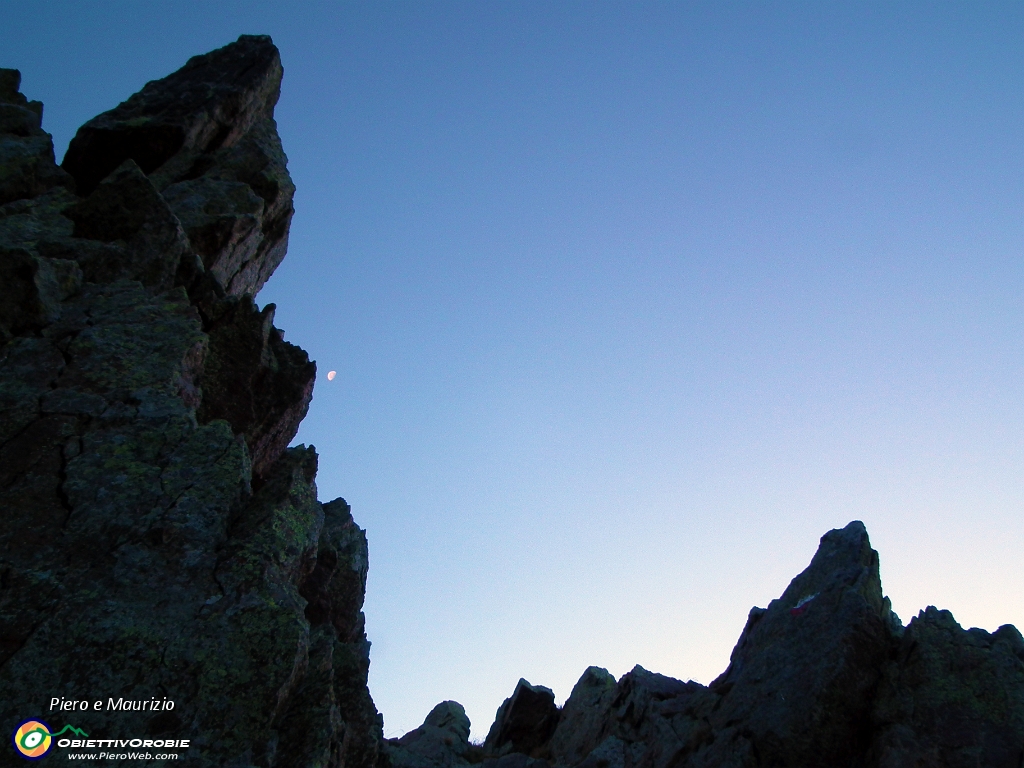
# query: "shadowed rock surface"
826, 675
27, 168
162, 543
206, 138
951, 697
160, 540
524, 722
443, 739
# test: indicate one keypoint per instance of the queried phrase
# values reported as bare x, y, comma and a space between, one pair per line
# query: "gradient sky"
629, 304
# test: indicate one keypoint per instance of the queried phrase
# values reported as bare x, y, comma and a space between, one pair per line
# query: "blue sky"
629, 304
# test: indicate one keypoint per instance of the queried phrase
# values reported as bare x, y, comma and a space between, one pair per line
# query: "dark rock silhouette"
524, 722
801, 678
206, 138
162, 543
26, 150
160, 540
826, 675
443, 739
950, 697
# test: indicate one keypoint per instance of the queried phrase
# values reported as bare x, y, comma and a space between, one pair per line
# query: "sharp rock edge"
826, 675
160, 539
162, 542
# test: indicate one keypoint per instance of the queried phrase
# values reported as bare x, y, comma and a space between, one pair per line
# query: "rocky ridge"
826, 675
161, 541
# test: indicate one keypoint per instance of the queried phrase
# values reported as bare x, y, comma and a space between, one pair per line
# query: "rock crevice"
161, 539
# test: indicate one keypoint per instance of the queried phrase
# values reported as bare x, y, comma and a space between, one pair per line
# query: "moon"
331, 375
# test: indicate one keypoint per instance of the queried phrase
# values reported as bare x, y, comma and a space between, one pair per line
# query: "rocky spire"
824, 676
161, 542
206, 138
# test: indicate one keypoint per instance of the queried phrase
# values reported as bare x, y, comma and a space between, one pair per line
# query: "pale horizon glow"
628, 305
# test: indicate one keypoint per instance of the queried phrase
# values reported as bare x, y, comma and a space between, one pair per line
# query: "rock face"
443, 739
950, 697
826, 675
167, 569
206, 138
524, 722
26, 150
161, 543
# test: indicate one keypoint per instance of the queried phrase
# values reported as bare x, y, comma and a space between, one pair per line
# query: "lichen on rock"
161, 541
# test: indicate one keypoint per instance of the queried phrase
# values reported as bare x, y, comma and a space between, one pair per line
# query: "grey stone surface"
584, 717
826, 675
160, 539
206, 137
441, 742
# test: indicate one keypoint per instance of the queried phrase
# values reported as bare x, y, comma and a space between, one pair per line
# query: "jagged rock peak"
826, 675
207, 104
209, 213
26, 150
206, 137
524, 721
160, 540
